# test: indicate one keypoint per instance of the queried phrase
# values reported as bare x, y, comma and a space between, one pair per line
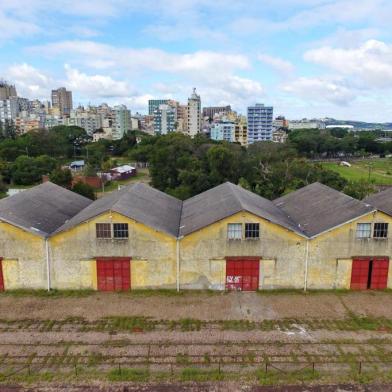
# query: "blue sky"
305, 57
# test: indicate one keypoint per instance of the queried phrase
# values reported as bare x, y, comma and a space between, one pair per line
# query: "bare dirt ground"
237, 340
202, 306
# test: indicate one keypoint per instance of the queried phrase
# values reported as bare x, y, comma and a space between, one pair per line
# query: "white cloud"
145, 59
94, 86
30, 82
320, 90
280, 65
367, 66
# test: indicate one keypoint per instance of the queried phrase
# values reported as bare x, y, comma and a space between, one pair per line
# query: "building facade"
211, 111
226, 238
260, 119
62, 101
194, 114
7, 90
223, 130
165, 119
122, 122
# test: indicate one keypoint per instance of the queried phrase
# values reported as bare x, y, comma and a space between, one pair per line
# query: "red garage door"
1, 276
379, 278
370, 273
114, 274
242, 274
360, 274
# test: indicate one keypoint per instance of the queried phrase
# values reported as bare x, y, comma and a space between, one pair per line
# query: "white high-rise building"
122, 122
194, 114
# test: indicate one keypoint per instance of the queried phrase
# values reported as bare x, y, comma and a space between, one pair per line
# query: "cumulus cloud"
277, 63
369, 64
30, 82
320, 89
215, 73
145, 59
93, 86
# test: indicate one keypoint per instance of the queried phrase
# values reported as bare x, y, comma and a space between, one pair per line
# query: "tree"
359, 189
62, 177
84, 190
24, 171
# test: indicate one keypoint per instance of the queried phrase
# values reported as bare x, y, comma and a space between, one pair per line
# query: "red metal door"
242, 274
113, 274
1, 276
360, 273
379, 278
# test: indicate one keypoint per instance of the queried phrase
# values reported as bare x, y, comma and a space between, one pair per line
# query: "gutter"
306, 266
178, 262
49, 284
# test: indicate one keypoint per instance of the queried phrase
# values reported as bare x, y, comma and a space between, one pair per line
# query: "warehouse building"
26, 221
226, 238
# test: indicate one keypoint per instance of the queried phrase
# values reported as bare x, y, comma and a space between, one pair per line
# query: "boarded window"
380, 230
364, 230
120, 230
252, 230
103, 230
234, 231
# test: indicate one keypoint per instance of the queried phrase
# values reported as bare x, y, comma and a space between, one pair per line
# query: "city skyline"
319, 58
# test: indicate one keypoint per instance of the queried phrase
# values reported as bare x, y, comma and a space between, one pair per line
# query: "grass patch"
200, 375
48, 294
133, 324
275, 377
129, 374
380, 170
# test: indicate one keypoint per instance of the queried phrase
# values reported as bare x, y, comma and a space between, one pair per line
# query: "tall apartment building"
6, 90
90, 122
153, 104
62, 101
194, 114
11, 107
260, 119
223, 130
122, 121
165, 119
211, 111
241, 131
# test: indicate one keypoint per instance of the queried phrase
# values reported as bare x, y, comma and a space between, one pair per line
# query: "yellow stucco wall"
24, 261
330, 254
203, 254
73, 254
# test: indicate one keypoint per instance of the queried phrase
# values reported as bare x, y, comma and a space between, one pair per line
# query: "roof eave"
342, 224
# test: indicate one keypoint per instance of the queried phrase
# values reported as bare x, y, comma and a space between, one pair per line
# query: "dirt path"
202, 306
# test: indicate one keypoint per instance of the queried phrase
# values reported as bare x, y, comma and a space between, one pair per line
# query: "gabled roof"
42, 209
139, 202
226, 200
317, 208
382, 201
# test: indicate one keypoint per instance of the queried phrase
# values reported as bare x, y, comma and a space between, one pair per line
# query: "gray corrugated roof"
139, 202
42, 209
382, 201
318, 208
226, 200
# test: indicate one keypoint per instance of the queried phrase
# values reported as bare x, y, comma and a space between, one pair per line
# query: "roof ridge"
234, 187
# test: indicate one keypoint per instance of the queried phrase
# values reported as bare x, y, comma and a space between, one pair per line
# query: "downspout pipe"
48, 275
306, 266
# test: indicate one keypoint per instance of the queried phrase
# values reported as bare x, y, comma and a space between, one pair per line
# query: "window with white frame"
234, 231
364, 230
120, 230
103, 230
